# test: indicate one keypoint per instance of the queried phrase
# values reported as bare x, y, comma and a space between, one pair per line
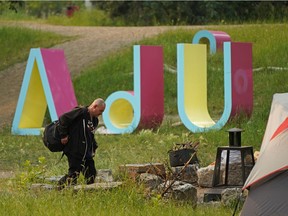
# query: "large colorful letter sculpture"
142, 108
242, 79
46, 81
192, 82
192, 88
215, 38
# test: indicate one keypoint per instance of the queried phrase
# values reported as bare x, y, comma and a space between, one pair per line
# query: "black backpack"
51, 137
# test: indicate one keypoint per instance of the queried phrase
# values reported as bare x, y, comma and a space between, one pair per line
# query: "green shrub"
91, 17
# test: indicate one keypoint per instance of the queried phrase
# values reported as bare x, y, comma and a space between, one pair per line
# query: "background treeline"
195, 12
159, 12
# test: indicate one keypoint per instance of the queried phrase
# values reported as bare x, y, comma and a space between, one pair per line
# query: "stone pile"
153, 176
183, 184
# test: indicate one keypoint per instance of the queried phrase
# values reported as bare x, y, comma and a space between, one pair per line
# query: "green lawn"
269, 50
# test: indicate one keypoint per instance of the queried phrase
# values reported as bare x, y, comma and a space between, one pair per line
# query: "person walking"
76, 129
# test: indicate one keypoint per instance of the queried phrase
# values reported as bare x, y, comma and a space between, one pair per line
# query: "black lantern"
235, 137
234, 168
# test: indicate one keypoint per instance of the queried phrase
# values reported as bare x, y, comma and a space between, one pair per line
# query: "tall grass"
7, 14
125, 201
116, 73
16, 43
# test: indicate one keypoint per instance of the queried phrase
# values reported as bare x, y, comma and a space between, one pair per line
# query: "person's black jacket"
78, 125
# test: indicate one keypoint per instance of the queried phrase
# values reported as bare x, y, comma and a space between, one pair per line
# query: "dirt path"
91, 44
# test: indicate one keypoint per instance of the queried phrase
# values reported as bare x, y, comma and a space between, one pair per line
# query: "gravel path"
92, 43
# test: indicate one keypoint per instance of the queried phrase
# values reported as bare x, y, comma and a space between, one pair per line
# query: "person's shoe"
66, 181
90, 180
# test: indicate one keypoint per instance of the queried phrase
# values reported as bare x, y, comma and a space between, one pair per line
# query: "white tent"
268, 180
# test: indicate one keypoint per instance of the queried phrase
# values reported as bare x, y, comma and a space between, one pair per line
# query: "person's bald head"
99, 102
97, 107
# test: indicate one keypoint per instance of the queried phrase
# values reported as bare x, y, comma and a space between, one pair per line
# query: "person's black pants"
77, 166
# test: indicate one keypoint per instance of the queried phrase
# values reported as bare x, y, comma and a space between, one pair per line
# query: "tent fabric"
278, 113
273, 156
269, 198
268, 180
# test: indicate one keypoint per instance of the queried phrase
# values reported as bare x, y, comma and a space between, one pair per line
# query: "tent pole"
237, 202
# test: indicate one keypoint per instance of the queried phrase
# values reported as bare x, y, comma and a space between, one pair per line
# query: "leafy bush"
31, 173
91, 17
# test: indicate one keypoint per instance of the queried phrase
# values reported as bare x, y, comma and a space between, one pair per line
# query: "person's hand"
94, 152
64, 140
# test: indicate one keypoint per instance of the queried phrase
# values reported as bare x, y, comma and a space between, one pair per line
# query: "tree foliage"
194, 12
165, 12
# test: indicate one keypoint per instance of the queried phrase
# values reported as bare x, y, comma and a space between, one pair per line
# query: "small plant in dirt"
31, 173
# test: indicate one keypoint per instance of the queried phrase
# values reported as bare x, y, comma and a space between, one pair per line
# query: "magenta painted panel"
242, 78
152, 86
220, 38
59, 80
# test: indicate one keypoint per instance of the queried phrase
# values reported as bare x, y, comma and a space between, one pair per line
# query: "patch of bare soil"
6, 174
92, 43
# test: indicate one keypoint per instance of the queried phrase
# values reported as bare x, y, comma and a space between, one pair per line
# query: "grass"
264, 55
116, 202
269, 49
16, 43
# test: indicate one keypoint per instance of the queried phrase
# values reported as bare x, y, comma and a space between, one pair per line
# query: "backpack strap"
62, 155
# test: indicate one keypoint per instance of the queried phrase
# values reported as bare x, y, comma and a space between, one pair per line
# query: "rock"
104, 175
230, 196
40, 186
6, 174
151, 181
205, 176
90, 187
133, 171
189, 174
97, 186
53, 179
180, 191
